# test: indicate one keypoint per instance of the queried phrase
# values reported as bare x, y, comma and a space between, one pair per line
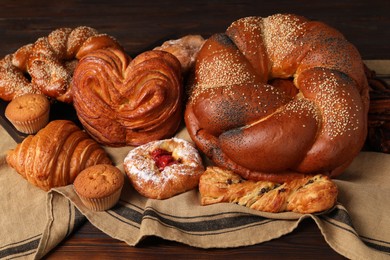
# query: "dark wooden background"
141, 25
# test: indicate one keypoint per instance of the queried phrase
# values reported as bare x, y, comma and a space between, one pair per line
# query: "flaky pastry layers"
121, 101
274, 98
309, 194
56, 155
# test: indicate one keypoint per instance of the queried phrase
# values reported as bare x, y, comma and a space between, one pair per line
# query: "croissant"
121, 101
55, 155
279, 97
47, 66
308, 194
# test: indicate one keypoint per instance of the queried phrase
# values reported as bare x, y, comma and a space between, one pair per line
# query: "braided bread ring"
47, 66
277, 97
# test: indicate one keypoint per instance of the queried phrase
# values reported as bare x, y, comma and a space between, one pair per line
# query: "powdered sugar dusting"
140, 166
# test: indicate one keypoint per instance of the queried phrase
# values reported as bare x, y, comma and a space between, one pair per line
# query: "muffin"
99, 187
28, 113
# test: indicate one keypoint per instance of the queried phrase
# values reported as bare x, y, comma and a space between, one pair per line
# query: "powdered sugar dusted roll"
164, 168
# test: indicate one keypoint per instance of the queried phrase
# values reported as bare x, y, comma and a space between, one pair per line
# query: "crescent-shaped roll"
56, 155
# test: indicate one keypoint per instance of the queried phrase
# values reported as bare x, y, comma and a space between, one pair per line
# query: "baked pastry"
185, 49
99, 186
308, 194
279, 97
55, 155
123, 102
164, 168
47, 65
28, 113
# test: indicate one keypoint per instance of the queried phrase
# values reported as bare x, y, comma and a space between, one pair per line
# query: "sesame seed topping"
339, 110
280, 35
45, 66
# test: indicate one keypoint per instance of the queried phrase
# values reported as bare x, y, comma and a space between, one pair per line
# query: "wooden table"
141, 25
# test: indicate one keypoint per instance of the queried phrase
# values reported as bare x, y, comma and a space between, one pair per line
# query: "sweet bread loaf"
277, 97
121, 101
55, 155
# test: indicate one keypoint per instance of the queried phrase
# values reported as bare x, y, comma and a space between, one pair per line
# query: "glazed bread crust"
277, 97
122, 101
46, 66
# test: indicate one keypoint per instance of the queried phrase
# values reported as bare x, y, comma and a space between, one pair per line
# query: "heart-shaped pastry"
121, 101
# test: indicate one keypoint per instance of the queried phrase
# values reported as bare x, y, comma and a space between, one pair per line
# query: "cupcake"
99, 187
28, 113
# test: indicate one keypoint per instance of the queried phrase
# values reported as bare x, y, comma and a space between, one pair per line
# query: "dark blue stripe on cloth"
205, 223
29, 245
341, 215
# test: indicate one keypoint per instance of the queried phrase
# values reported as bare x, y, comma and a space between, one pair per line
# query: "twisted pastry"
122, 102
277, 97
55, 155
47, 65
308, 194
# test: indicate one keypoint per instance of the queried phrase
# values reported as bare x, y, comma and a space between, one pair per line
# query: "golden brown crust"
308, 194
28, 113
49, 63
55, 155
13, 82
121, 101
152, 182
185, 49
99, 186
98, 181
277, 97
27, 107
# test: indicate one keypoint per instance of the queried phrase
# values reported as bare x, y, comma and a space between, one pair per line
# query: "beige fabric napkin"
35, 222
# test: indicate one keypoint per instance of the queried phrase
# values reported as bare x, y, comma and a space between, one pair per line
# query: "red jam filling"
162, 158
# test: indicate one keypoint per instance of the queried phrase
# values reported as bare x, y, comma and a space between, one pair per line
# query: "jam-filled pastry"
164, 168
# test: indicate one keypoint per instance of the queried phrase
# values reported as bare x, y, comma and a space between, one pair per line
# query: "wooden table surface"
141, 25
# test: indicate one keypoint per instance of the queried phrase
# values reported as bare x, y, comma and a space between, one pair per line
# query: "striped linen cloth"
33, 222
